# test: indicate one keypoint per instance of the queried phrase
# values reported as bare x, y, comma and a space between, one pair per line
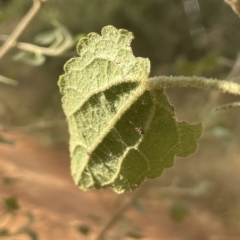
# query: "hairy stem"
197, 82
11, 41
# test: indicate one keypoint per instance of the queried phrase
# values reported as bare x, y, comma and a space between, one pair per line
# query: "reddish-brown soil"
44, 187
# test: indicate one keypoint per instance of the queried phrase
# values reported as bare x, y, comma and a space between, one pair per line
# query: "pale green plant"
122, 128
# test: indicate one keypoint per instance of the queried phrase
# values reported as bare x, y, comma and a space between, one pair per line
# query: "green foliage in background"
121, 132
161, 27
9, 210
179, 211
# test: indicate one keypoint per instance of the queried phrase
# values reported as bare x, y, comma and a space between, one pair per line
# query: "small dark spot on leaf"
139, 130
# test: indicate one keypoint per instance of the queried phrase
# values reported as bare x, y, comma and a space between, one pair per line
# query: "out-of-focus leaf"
58, 41
139, 205
45, 38
30, 219
29, 58
84, 229
206, 64
95, 218
179, 212
1, 16
203, 188
134, 235
4, 232
32, 234
53, 38
8, 180
11, 204
221, 133
6, 140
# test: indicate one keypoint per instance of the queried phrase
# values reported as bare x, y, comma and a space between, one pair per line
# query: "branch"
235, 4
120, 211
11, 41
197, 82
37, 125
55, 50
8, 81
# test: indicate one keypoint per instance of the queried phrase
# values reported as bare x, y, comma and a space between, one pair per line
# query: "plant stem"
197, 82
121, 210
35, 126
8, 81
11, 41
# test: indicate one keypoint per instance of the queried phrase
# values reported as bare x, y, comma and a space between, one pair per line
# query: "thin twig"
120, 211
50, 51
8, 81
63, 42
36, 125
11, 41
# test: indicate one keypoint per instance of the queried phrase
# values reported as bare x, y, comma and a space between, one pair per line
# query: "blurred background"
197, 199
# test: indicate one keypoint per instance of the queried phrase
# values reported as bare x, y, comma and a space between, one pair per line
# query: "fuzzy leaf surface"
120, 132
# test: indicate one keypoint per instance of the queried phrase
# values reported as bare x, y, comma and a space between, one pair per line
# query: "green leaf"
120, 132
179, 212
134, 235
4, 232
45, 38
9, 180
29, 232
6, 140
84, 229
11, 204
31, 58
2, 16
